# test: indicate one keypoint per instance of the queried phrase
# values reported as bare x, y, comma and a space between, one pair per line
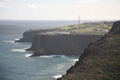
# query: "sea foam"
17, 39
26, 48
57, 76
19, 50
9, 41
28, 55
75, 60
46, 56
61, 66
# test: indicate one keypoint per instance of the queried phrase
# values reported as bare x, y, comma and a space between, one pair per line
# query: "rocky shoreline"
99, 61
69, 40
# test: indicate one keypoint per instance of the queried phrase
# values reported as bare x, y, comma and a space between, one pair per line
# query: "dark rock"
29, 35
100, 60
62, 44
116, 27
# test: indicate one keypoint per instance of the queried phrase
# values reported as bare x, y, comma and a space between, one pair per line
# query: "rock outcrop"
87, 28
28, 36
100, 60
64, 44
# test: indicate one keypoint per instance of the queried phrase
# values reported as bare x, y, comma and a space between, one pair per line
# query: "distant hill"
87, 28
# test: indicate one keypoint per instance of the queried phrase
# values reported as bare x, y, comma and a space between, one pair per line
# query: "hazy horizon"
59, 9
59, 20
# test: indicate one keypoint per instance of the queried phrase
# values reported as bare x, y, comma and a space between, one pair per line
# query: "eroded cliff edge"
87, 28
61, 44
100, 60
28, 36
69, 40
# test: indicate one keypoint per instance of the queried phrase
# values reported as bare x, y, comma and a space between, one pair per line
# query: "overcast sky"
59, 9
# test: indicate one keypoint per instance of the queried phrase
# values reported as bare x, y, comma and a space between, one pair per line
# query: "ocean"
15, 63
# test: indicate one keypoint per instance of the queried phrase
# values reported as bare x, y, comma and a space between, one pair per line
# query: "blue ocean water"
14, 61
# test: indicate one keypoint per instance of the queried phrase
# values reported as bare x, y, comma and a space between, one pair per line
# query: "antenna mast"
78, 22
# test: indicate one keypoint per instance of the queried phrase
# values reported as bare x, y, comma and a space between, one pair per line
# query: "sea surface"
15, 63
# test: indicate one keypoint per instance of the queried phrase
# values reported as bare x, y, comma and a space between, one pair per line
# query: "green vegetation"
65, 28
87, 28
100, 61
91, 28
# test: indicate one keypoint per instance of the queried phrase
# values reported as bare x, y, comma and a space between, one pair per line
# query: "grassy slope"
100, 61
90, 27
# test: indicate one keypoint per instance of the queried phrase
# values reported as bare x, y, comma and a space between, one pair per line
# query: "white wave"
57, 76
17, 39
61, 66
28, 55
63, 56
10, 41
19, 50
75, 60
26, 48
46, 56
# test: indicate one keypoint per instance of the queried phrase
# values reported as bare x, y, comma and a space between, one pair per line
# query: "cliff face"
87, 28
29, 35
100, 60
61, 44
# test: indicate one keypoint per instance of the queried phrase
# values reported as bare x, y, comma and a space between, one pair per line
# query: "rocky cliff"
44, 44
87, 28
29, 35
100, 60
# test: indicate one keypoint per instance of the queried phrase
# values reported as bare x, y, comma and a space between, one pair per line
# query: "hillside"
100, 60
90, 28
87, 28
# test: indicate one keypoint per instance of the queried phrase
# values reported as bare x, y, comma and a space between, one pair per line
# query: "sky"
59, 9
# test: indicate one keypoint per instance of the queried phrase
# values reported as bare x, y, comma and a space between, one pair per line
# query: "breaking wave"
57, 76
19, 50
17, 39
9, 41
28, 55
46, 56
75, 60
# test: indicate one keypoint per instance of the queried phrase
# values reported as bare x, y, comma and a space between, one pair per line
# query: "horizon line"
61, 20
